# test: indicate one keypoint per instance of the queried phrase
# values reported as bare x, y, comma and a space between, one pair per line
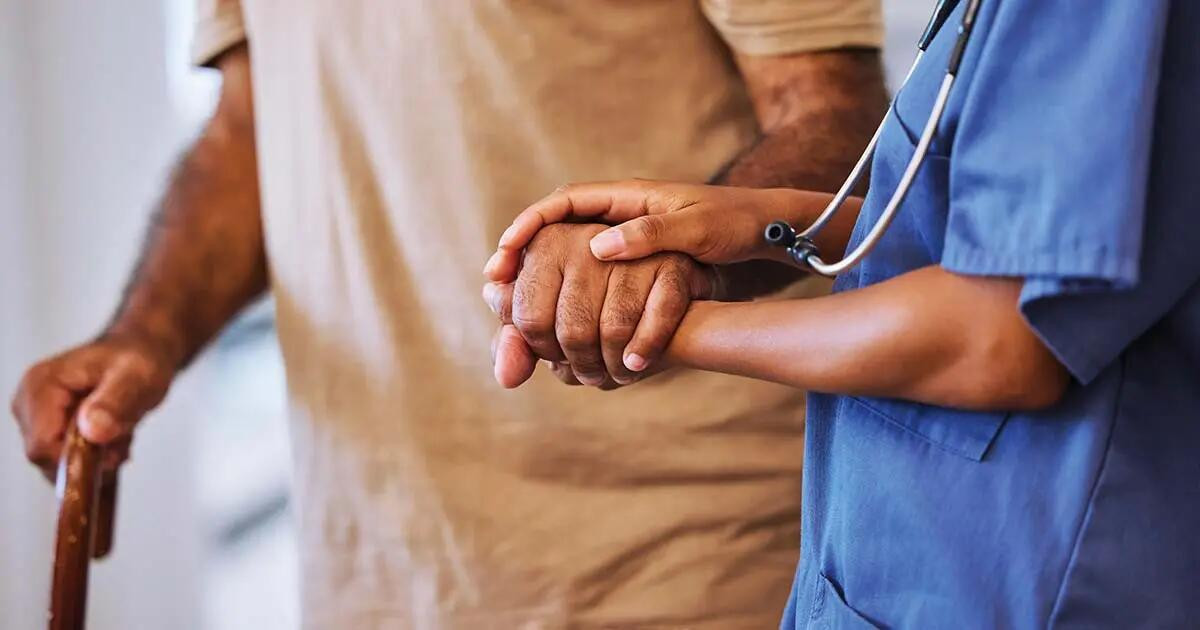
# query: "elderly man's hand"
598, 323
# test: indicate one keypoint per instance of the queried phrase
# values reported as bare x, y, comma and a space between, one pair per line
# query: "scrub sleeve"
1050, 176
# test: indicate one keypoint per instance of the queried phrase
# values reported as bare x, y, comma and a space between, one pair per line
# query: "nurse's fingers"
512, 361
604, 202
675, 286
628, 287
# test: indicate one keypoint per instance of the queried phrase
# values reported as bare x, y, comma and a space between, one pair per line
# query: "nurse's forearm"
929, 336
762, 274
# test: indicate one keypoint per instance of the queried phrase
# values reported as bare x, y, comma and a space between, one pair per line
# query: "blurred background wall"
96, 100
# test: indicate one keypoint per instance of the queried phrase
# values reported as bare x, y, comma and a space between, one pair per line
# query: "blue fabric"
1067, 158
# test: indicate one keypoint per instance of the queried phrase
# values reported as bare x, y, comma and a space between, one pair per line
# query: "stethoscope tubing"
893, 206
801, 246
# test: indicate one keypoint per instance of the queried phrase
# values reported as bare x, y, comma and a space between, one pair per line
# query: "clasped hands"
601, 304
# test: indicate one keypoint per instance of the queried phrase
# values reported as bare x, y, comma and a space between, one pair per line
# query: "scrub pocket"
831, 612
967, 434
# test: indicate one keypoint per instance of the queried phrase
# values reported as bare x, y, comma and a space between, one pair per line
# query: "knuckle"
577, 327
576, 336
618, 325
666, 198
137, 363
142, 378
674, 277
650, 228
532, 324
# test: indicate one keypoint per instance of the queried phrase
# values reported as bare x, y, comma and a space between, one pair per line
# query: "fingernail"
97, 425
624, 380
608, 243
491, 263
594, 380
635, 362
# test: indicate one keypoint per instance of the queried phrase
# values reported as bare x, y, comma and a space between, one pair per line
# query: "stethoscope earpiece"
800, 248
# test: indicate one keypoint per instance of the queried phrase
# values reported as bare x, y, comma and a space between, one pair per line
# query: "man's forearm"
817, 112
203, 259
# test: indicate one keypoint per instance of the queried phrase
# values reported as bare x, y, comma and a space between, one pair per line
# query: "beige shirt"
397, 139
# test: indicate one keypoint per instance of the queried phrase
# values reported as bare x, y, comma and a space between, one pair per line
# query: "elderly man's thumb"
512, 360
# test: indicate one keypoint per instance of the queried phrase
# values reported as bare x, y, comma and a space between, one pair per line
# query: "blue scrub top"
1068, 158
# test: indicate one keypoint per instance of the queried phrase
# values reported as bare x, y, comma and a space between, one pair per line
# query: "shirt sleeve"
218, 28
1050, 175
779, 27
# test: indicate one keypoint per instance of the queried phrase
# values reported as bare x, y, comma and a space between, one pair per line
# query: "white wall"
87, 131
905, 19
24, 504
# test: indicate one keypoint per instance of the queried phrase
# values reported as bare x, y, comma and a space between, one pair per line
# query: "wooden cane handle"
80, 475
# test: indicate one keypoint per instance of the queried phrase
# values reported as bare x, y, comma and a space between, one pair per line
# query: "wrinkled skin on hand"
598, 323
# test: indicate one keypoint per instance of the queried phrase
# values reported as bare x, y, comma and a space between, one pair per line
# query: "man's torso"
396, 141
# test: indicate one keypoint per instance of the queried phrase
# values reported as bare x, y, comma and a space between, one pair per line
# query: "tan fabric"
776, 27
218, 27
396, 141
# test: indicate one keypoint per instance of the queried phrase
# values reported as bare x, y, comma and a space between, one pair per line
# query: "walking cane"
86, 508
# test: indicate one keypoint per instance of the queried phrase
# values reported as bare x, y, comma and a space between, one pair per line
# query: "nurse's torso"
1084, 515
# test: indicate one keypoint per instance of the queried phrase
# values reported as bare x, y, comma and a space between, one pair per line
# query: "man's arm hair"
203, 257
817, 112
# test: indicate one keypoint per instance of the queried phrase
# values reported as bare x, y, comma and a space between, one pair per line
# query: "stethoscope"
800, 247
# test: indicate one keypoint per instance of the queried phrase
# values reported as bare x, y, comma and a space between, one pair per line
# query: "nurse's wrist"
800, 209
686, 349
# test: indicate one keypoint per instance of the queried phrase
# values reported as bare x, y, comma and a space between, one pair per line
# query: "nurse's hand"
598, 323
712, 224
